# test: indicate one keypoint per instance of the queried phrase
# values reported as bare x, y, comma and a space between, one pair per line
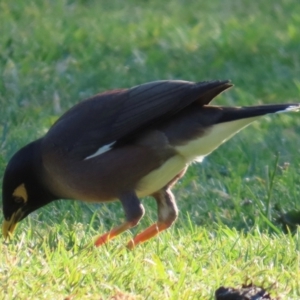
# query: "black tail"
236, 113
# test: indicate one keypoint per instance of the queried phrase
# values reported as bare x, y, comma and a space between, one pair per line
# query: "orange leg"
147, 234
134, 211
102, 239
167, 214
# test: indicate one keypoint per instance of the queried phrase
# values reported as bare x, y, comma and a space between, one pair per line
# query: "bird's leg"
167, 214
134, 211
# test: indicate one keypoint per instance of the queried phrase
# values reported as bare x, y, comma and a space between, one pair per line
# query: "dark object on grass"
246, 292
123, 145
290, 220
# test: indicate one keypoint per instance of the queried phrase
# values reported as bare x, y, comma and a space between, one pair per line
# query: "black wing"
111, 116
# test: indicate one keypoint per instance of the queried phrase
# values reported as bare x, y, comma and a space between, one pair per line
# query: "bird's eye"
18, 199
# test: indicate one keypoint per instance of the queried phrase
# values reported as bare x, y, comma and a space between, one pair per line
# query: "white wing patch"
101, 150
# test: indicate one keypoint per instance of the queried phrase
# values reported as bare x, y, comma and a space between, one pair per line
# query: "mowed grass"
55, 53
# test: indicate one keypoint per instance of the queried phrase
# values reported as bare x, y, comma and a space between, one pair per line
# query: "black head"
22, 189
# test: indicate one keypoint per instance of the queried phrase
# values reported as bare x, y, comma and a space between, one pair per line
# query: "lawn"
56, 53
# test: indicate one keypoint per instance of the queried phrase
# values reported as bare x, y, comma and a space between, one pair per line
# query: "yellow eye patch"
21, 192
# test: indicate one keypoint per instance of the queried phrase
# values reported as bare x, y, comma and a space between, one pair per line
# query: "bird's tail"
230, 114
218, 124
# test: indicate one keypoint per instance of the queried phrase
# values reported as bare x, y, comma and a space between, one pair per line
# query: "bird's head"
22, 189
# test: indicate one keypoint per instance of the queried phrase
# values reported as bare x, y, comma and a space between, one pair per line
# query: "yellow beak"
9, 226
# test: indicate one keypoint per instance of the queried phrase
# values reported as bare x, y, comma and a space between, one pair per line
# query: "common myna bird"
124, 145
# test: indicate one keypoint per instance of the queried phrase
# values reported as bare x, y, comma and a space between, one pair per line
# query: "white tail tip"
290, 108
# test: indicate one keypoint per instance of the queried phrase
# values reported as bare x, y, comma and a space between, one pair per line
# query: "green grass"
55, 53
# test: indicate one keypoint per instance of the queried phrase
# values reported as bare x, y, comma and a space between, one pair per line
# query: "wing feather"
112, 116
